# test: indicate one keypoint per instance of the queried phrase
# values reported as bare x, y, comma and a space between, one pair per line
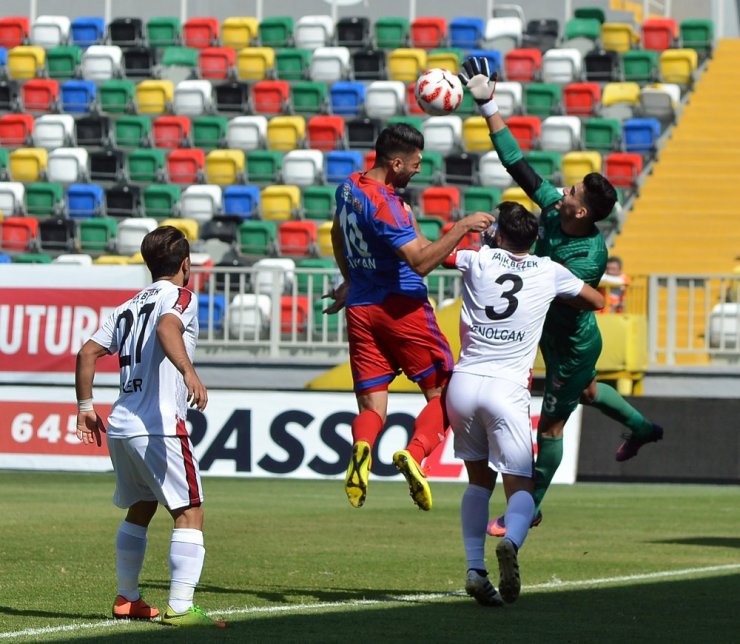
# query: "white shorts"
490, 419
155, 468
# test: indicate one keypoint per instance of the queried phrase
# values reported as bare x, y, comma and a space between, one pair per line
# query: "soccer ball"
438, 92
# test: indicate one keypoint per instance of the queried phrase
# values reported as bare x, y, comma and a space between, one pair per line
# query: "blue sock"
474, 516
518, 517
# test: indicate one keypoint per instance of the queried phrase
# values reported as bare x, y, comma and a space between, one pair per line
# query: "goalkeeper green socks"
549, 455
608, 401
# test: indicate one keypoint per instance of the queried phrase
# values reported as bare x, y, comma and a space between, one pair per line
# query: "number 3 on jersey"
127, 317
513, 303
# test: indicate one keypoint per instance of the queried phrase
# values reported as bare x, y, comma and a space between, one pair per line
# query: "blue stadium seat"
466, 32
84, 200
218, 302
3, 60
640, 134
347, 98
5, 259
494, 58
341, 163
242, 201
78, 96
87, 30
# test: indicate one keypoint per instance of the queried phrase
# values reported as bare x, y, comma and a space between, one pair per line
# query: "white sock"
186, 563
518, 518
474, 516
130, 550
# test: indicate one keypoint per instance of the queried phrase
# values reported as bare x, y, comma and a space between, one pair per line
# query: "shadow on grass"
715, 542
23, 612
676, 611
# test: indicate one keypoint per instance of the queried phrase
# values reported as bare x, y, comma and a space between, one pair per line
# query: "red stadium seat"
200, 32
297, 238
440, 201
325, 132
411, 103
369, 160
428, 32
581, 99
19, 233
186, 165
15, 129
40, 95
270, 96
623, 168
13, 31
659, 34
293, 308
171, 131
470, 241
525, 129
522, 65
216, 62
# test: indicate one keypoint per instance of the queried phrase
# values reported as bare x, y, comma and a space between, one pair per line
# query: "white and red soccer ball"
438, 92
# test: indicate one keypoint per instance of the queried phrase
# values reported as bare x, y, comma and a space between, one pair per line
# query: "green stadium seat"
602, 134
257, 237
133, 131
32, 258
98, 234
319, 202
160, 201
431, 168
480, 198
546, 163
4, 156
640, 65
178, 63
309, 97
698, 35
543, 99
430, 227
467, 106
264, 166
209, 131
276, 32
315, 282
146, 165
163, 32
63, 62
391, 33
592, 13
44, 199
292, 64
117, 96
413, 121
323, 323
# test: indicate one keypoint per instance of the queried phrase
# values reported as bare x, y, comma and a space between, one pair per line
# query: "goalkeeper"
571, 342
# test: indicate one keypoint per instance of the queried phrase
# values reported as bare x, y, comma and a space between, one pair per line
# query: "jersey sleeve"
586, 269
105, 336
462, 259
566, 284
181, 303
394, 224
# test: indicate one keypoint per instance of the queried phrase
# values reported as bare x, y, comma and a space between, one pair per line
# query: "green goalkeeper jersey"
585, 256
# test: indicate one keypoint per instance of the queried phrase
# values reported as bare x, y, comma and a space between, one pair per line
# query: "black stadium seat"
232, 97
369, 65
126, 32
363, 132
461, 168
541, 34
123, 200
222, 227
57, 233
353, 32
139, 62
93, 131
106, 165
9, 95
602, 66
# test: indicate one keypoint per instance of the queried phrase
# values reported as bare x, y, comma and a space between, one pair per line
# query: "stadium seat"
509, 98
188, 227
93, 131
241, 201
362, 133
384, 99
222, 228
315, 275
618, 36
297, 238
546, 163
561, 133
105, 165
449, 58
430, 227
26, 61
146, 165
276, 31
131, 232
369, 65
522, 65
239, 32
503, 34
193, 98
44, 199
280, 202
232, 97
101, 63
54, 131
87, 30
431, 169
582, 34
312, 32
341, 163
255, 63
19, 233
581, 99
303, 167
480, 198
577, 165
543, 99
161, 201
249, 316
441, 201
292, 64
309, 97
353, 32
29, 164
57, 233
117, 96
641, 135
391, 32
9, 95
98, 234
4, 156
678, 66
13, 31
33, 258
211, 312
526, 130
405, 64
133, 131
16, 129
697, 34
171, 131
661, 101
619, 100
319, 202
347, 98
461, 168
78, 259
247, 132
154, 96
294, 314
201, 202
465, 32
517, 195
412, 105
84, 200
3, 62
163, 31
178, 63
329, 64
471, 241
12, 198
225, 167
209, 131
640, 65
602, 134
126, 32
659, 34
285, 132
40, 95
139, 62
325, 132
112, 260
186, 165
542, 33
257, 237
323, 240
492, 173
270, 97
443, 134
429, 32
63, 62
562, 66
623, 169
200, 32
602, 66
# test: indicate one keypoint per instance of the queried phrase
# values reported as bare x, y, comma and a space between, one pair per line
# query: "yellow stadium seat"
120, 260
517, 194
255, 63
224, 167
443, 60
618, 36
285, 132
238, 32
620, 93
323, 239
475, 135
28, 164
154, 96
406, 64
136, 258
279, 202
576, 165
26, 61
678, 65
188, 227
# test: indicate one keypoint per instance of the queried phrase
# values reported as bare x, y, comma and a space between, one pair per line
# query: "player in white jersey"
506, 295
154, 335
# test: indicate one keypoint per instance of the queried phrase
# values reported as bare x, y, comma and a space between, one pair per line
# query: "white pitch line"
316, 606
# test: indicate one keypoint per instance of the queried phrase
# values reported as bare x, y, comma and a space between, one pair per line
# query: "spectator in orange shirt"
616, 283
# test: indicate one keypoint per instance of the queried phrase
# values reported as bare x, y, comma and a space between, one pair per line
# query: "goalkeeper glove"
478, 79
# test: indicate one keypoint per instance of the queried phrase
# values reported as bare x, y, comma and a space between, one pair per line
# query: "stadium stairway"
685, 218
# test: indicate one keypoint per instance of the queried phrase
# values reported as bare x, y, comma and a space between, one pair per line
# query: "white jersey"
505, 300
153, 394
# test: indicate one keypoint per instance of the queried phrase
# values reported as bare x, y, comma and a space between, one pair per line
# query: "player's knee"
588, 396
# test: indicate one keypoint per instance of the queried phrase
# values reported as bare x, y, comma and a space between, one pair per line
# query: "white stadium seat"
503, 34
303, 167
102, 62
561, 133
249, 315
442, 134
12, 198
562, 66
491, 172
509, 98
67, 165
50, 31
193, 97
273, 275
246, 132
329, 64
384, 99
312, 32
53, 131
201, 202
131, 232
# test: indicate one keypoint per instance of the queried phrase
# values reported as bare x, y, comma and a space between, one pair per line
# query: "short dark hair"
517, 225
397, 139
164, 250
599, 195
614, 259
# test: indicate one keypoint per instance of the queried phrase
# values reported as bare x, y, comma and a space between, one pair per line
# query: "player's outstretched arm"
589, 299
169, 334
89, 424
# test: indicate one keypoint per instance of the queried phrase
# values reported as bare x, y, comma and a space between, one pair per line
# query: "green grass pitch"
291, 561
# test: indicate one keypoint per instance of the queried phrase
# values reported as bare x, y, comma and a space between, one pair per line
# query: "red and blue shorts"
401, 334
